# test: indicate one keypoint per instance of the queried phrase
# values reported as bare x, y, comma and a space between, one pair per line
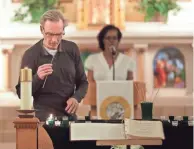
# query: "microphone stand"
113, 56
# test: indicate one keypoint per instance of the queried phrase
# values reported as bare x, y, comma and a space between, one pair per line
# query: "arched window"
169, 69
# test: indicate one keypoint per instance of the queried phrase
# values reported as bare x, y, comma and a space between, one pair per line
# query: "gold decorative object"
93, 14
26, 75
123, 108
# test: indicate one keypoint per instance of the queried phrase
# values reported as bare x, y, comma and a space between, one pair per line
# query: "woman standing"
100, 65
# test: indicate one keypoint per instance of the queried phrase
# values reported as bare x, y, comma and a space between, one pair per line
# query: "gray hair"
53, 15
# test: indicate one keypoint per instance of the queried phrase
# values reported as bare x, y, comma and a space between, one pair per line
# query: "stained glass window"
169, 69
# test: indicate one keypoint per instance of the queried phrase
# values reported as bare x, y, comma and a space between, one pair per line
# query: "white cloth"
98, 64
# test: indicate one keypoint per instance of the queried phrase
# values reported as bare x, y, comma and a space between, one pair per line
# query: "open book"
143, 129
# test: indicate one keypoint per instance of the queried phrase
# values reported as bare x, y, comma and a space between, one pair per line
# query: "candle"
50, 120
65, 121
26, 89
57, 123
50, 117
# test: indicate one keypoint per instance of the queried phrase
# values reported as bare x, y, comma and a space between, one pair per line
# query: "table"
176, 137
129, 142
60, 139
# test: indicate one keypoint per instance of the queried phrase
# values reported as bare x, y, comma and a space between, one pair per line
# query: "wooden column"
7, 55
140, 51
132, 53
5, 62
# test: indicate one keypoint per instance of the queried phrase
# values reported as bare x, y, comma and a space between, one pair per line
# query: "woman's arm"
90, 76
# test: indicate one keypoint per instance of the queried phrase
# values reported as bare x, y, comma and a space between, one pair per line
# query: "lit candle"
50, 120
50, 117
57, 122
26, 89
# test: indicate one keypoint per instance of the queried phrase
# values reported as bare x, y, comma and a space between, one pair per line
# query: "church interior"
155, 45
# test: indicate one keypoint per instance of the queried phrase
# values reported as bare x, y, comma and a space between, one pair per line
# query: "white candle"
57, 123
50, 120
26, 89
50, 117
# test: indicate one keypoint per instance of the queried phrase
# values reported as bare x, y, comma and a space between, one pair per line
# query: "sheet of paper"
150, 129
96, 131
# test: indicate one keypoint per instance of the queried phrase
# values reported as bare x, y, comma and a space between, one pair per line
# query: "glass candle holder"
146, 110
65, 121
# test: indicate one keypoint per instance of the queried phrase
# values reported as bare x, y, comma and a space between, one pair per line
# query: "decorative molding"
7, 47
26, 126
140, 46
85, 40
7, 51
26, 123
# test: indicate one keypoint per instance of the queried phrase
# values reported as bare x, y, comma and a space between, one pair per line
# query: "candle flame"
51, 116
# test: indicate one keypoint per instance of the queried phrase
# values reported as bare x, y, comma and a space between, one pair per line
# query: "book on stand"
143, 129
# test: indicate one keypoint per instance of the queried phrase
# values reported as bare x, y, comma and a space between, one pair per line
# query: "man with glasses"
59, 80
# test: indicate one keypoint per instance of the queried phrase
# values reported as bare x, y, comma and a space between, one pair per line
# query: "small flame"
50, 117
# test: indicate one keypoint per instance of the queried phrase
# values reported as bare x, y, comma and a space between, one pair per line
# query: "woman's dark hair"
104, 31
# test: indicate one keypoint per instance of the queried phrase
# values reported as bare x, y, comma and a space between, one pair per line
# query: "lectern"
139, 90
114, 99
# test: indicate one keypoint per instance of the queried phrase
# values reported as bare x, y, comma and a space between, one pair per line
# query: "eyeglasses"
48, 34
111, 38
52, 34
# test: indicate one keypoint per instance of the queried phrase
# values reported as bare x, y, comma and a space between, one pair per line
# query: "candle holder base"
26, 113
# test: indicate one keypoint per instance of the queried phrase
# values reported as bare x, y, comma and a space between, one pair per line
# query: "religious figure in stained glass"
169, 69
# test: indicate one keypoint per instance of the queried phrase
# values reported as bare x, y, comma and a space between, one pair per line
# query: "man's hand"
44, 70
72, 106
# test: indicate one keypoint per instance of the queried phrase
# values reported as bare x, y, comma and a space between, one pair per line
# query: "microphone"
113, 50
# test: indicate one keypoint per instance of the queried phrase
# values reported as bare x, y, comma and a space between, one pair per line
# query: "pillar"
132, 53
5, 66
140, 60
